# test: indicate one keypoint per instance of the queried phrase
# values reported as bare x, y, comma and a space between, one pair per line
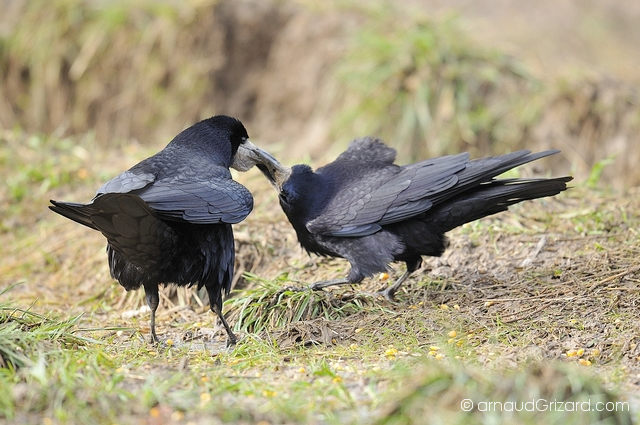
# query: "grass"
273, 304
474, 324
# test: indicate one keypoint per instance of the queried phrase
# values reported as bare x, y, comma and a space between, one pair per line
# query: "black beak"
275, 172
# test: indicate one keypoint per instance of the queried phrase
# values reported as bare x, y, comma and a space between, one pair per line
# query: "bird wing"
386, 195
126, 182
199, 201
187, 197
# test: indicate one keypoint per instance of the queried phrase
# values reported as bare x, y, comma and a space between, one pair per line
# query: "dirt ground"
531, 284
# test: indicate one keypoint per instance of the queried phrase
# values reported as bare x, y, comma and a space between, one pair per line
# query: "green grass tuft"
272, 304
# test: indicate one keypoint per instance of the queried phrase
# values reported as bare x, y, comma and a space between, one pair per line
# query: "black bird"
168, 219
364, 208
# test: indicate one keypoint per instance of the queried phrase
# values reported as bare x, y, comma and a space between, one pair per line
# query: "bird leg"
391, 290
153, 299
326, 283
231, 337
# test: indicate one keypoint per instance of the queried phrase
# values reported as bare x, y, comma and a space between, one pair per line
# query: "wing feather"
385, 195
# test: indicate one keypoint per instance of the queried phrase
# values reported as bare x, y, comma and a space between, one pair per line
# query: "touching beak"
245, 158
249, 155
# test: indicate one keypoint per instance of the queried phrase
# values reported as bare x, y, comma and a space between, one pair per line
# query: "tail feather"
80, 213
491, 198
483, 170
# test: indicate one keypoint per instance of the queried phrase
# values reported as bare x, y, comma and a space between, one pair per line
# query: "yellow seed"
444, 307
83, 173
434, 348
302, 370
460, 343
571, 353
177, 416
453, 334
358, 330
154, 412
595, 352
584, 362
580, 351
456, 307
488, 303
384, 276
119, 370
413, 307
235, 361
204, 379
337, 379
257, 375
432, 353
353, 346
391, 352
169, 341
470, 335
439, 356
205, 397
451, 341
458, 357
269, 393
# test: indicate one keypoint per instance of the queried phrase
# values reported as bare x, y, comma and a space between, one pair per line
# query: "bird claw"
388, 295
288, 288
317, 286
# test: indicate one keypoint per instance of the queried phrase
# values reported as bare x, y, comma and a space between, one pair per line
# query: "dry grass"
499, 299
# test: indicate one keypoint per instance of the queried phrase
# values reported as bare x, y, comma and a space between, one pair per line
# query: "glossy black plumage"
168, 219
364, 208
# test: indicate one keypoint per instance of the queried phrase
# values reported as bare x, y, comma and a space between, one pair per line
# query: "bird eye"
284, 196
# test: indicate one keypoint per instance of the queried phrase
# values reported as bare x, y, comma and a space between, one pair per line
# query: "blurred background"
430, 77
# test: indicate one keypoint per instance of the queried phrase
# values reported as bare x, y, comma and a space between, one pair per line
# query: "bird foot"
276, 296
231, 342
293, 289
389, 295
317, 286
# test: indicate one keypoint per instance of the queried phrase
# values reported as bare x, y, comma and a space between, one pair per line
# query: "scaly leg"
326, 283
231, 337
412, 265
391, 290
153, 299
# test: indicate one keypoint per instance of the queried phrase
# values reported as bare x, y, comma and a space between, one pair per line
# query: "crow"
168, 219
364, 208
